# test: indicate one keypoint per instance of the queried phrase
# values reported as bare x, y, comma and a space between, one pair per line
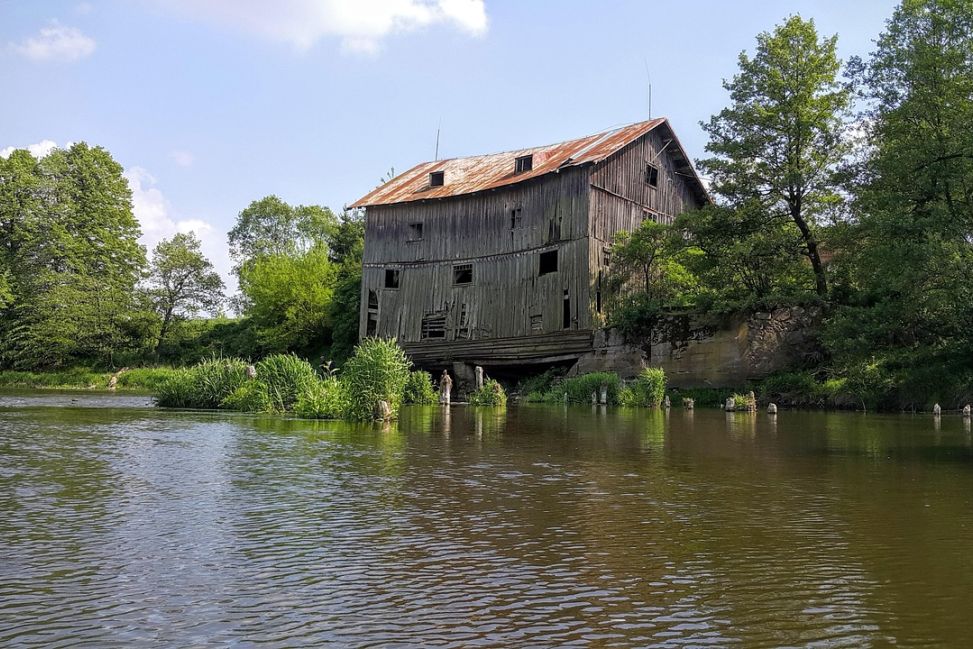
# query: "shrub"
144, 378
378, 371
647, 391
491, 394
535, 386
285, 377
323, 399
205, 385
419, 389
252, 396
178, 390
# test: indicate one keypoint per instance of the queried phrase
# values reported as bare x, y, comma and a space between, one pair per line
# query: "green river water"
124, 525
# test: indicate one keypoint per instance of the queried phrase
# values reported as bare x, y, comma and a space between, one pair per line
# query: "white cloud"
38, 150
154, 214
182, 158
56, 42
359, 24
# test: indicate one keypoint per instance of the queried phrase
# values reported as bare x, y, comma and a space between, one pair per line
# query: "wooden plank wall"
621, 199
507, 289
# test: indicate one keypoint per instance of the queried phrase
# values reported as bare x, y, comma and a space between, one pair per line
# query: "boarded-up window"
652, 175
433, 325
537, 322
415, 232
523, 163
437, 178
463, 274
547, 262
391, 278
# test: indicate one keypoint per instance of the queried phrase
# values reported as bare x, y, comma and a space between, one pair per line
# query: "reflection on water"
535, 525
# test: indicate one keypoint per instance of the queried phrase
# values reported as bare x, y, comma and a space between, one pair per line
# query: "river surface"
124, 525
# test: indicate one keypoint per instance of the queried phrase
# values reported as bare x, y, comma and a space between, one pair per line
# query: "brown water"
121, 525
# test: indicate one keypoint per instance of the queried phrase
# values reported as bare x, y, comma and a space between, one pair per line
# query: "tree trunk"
820, 279
166, 321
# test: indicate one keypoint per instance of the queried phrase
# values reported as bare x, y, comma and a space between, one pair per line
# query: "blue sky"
210, 104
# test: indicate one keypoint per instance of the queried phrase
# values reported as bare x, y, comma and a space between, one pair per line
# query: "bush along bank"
140, 379
647, 390
373, 384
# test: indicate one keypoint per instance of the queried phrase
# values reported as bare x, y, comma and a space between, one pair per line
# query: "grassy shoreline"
141, 379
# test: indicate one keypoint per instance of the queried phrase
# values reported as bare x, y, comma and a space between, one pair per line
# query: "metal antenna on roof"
437, 138
648, 81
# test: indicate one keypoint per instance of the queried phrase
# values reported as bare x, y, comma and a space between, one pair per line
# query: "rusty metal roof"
483, 172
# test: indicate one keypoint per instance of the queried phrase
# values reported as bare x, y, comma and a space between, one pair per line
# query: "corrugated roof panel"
483, 172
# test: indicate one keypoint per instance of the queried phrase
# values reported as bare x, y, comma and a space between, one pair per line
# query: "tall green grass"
491, 394
378, 371
205, 385
647, 390
419, 389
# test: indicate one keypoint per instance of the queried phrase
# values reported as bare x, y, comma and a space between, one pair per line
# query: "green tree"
71, 249
907, 269
182, 282
269, 227
288, 298
778, 147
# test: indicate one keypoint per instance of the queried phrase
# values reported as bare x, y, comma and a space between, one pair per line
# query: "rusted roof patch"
483, 172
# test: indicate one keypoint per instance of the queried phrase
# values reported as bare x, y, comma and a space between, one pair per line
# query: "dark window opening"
606, 257
433, 326
463, 324
652, 175
415, 232
566, 314
548, 262
371, 327
372, 300
516, 218
463, 274
437, 178
391, 278
598, 294
523, 163
537, 322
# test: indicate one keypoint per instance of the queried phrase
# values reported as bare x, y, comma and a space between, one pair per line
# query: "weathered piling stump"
594, 398
967, 410
603, 398
730, 406
772, 409
666, 402
688, 403
383, 410
251, 372
937, 410
479, 377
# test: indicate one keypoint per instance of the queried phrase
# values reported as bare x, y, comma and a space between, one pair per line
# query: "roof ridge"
602, 133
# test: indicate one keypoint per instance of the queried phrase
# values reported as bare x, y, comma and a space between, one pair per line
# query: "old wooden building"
500, 259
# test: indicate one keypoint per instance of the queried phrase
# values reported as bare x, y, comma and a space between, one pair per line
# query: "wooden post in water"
937, 410
603, 399
967, 410
772, 409
479, 377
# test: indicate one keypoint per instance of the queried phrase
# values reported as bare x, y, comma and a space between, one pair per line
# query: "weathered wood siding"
621, 199
508, 297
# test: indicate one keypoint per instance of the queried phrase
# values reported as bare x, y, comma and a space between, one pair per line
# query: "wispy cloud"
359, 25
38, 150
182, 157
55, 43
154, 214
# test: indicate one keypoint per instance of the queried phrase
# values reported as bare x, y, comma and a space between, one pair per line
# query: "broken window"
372, 300
652, 175
371, 327
606, 257
598, 294
391, 278
462, 331
523, 163
463, 274
537, 322
516, 218
547, 263
415, 232
433, 325
566, 311
437, 178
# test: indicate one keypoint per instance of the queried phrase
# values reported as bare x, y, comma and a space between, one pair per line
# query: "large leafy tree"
71, 250
182, 282
909, 263
269, 227
777, 147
